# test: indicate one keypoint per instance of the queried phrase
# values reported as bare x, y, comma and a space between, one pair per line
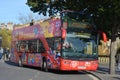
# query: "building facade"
8, 26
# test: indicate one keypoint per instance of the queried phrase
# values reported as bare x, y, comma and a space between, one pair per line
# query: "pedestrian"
1, 52
32, 22
7, 54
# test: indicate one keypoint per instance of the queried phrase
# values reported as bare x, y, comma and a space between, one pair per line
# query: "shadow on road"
103, 70
11, 63
49, 71
57, 71
116, 78
67, 72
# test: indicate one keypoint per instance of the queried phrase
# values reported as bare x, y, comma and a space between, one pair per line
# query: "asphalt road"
11, 71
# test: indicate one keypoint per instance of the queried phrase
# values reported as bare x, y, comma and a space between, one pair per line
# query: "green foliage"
106, 12
6, 38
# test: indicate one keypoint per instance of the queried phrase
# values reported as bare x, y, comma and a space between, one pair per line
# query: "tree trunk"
114, 46
113, 51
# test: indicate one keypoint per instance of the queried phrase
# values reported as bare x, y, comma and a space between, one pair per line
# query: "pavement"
103, 73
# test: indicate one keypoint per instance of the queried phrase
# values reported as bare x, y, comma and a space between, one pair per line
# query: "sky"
10, 10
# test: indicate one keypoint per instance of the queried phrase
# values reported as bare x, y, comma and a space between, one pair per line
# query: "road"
10, 71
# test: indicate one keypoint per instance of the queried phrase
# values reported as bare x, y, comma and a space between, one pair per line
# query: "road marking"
93, 77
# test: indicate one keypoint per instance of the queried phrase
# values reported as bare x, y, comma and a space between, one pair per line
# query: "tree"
6, 38
24, 19
106, 14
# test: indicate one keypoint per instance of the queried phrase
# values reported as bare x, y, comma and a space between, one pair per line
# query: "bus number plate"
81, 67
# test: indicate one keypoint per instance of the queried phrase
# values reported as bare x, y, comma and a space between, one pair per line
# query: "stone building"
8, 26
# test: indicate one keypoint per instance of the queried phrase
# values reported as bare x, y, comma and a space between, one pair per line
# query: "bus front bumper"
68, 65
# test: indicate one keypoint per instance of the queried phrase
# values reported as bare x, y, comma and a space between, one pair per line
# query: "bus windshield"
78, 47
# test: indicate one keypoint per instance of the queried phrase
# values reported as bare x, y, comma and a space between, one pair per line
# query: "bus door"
55, 52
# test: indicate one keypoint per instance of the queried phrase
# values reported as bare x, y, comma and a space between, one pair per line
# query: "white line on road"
93, 77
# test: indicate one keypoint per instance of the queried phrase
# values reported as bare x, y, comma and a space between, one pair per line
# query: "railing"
103, 59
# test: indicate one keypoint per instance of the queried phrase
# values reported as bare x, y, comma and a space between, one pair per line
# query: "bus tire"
45, 66
20, 62
42, 66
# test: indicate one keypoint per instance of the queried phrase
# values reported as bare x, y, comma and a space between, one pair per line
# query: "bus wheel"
42, 66
20, 62
45, 66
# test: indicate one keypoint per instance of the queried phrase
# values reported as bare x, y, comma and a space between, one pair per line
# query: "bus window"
22, 46
17, 46
57, 44
41, 48
32, 46
51, 43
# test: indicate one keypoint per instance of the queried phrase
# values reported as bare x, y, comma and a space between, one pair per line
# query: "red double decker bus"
68, 42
